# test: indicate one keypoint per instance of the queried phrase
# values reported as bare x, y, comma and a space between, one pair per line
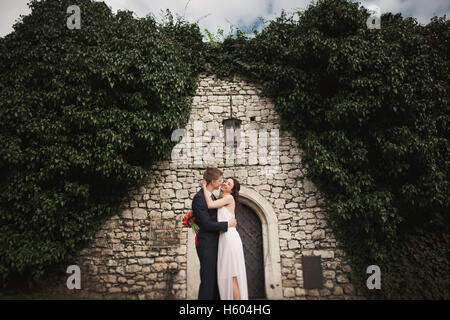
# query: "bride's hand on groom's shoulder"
203, 183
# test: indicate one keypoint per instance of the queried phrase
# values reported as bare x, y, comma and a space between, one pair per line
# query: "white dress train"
230, 260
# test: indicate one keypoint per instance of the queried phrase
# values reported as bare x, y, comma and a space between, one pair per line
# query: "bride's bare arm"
213, 204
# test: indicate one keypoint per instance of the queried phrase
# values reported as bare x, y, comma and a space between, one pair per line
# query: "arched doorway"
250, 230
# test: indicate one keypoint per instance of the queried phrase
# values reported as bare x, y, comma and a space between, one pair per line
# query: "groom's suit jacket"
207, 245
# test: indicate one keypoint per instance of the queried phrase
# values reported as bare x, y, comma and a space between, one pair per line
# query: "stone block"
182, 194
328, 284
349, 289
293, 244
337, 291
341, 279
329, 274
325, 254
139, 213
300, 292
311, 202
318, 234
285, 235
132, 268
313, 292
145, 261
289, 292
308, 186
167, 193
126, 214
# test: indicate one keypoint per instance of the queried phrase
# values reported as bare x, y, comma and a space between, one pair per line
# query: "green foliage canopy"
371, 110
84, 114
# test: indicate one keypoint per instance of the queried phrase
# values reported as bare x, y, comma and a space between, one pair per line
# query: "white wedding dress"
230, 260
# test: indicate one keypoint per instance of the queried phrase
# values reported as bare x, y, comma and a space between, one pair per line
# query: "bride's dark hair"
235, 192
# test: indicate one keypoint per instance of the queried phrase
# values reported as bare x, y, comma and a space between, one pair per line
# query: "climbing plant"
84, 113
370, 108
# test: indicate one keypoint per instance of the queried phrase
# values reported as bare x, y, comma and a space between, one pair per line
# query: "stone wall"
120, 262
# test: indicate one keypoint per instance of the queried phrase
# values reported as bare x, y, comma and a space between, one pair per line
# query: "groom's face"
217, 183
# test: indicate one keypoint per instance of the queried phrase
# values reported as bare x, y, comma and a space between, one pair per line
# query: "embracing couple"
219, 246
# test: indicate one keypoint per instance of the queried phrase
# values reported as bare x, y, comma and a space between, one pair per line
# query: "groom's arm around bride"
205, 219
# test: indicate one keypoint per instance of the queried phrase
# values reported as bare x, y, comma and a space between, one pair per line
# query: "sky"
214, 14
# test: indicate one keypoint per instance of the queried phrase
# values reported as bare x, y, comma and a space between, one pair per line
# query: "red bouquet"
189, 222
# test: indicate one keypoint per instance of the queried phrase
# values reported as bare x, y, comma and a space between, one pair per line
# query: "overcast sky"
214, 14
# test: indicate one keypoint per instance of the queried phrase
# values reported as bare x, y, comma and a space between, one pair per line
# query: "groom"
208, 236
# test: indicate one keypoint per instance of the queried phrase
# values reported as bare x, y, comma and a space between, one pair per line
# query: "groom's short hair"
212, 174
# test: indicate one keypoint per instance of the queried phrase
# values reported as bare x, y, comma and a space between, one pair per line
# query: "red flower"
189, 222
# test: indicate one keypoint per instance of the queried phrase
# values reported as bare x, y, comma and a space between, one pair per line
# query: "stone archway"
271, 248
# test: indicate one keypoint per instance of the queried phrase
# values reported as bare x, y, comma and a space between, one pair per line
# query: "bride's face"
227, 186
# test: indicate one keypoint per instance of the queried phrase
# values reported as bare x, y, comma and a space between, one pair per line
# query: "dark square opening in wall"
252, 118
312, 272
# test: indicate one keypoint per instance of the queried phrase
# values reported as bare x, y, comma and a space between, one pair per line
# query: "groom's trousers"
209, 289
207, 246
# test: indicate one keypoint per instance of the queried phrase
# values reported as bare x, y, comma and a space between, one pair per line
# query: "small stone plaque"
164, 233
312, 272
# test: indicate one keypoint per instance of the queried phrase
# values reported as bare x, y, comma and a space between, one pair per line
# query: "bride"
231, 275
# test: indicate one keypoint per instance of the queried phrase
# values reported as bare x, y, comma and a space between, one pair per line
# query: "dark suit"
207, 246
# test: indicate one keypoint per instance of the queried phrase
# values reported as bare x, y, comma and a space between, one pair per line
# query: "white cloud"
214, 14
210, 14
10, 12
421, 9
